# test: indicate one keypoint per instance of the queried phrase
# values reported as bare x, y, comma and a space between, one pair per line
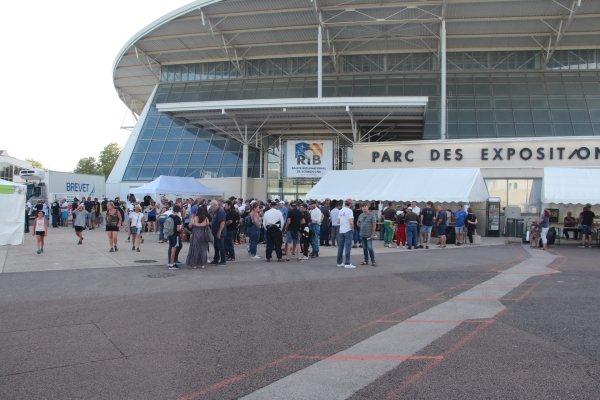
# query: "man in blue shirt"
460, 216
218, 230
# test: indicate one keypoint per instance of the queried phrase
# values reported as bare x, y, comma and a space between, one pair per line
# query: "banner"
308, 158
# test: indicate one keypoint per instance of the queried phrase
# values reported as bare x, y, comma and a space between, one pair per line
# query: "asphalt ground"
140, 331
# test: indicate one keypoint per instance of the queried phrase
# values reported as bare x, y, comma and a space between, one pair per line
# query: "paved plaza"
498, 321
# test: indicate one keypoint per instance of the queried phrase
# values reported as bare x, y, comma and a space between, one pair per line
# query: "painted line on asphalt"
343, 374
397, 392
237, 378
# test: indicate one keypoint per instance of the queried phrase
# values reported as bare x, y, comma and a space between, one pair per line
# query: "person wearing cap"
274, 223
586, 219
411, 219
316, 218
324, 236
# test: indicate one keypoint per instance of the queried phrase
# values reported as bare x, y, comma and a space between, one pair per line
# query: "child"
40, 230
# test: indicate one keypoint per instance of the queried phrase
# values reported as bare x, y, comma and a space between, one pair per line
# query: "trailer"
56, 185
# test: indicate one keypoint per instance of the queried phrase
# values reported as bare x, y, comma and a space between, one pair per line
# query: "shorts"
89, 215
175, 241
79, 229
425, 229
293, 235
64, 215
459, 229
151, 218
441, 229
112, 229
40, 233
586, 230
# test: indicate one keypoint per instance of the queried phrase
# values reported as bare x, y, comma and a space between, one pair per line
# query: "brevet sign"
576, 152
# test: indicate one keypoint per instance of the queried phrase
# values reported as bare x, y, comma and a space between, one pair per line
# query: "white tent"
12, 213
177, 185
571, 186
403, 184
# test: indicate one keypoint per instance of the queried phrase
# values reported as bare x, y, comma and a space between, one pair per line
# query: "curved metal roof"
238, 30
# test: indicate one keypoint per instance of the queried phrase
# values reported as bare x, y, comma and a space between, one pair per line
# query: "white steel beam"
230, 50
564, 24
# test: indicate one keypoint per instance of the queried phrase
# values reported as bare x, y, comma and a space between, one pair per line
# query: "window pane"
197, 159
131, 174
525, 130
136, 159
582, 129
146, 133
214, 159
580, 116
166, 159
506, 130
155, 146
146, 174
543, 130
141, 146
160, 133
177, 172
522, 115
201, 145
182, 160
150, 160
541, 115
563, 129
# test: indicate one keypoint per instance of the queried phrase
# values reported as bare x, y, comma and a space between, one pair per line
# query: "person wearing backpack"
172, 230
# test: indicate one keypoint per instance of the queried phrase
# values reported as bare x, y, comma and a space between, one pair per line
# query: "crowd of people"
296, 229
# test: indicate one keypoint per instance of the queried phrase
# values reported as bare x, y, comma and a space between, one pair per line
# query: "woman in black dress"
198, 252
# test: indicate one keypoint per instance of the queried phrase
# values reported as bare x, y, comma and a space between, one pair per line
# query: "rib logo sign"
308, 159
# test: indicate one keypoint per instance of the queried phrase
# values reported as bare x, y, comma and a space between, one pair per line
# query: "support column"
320, 61
244, 194
443, 83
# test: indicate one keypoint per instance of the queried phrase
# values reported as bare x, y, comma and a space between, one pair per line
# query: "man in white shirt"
335, 225
316, 217
346, 221
274, 224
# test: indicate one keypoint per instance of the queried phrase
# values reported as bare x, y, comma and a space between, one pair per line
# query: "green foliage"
88, 166
108, 158
102, 166
36, 164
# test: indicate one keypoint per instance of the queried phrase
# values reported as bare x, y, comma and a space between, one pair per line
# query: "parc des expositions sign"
308, 158
481, 154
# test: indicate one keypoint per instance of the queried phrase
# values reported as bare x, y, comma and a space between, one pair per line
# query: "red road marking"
470, 336
256, 370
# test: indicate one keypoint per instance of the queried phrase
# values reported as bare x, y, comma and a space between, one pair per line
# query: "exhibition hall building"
261, 98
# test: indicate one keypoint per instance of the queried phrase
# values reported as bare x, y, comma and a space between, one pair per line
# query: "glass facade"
524, 193
8, 171
167, 146
493, 94
393, 62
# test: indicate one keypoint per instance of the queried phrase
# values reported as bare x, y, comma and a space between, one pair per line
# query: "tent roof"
403, 184
9, 183
571, 185
176, 185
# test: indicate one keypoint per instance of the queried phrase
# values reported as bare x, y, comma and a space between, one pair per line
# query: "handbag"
209, 235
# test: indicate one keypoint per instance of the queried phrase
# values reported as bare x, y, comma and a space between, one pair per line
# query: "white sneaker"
397, 247
340, 265
349, 266
304, 258
256, 256
403, 247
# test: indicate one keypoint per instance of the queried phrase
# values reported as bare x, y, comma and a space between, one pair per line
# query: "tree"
108, 158
87, 166
36, 164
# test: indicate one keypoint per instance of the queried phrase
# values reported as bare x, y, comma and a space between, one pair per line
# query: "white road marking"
333, 378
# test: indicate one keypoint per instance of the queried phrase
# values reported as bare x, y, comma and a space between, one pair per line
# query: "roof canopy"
237, 31
176, 185
403, 184
571, 186
351, 118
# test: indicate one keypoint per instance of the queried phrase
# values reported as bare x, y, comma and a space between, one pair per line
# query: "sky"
59, 103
